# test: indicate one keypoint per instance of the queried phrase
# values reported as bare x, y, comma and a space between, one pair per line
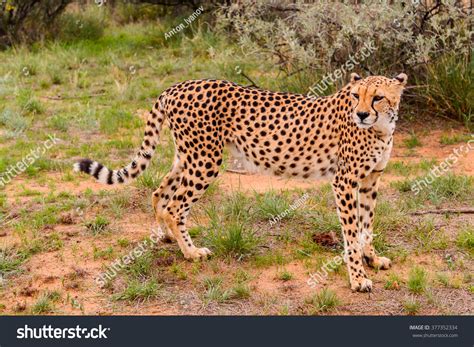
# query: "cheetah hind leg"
162, 196
189, 192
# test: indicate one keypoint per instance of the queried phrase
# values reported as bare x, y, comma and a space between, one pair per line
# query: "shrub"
15, 124
130, 13
315, 39
80, 26
450, 88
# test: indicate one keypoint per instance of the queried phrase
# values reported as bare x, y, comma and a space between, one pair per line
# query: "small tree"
27, 20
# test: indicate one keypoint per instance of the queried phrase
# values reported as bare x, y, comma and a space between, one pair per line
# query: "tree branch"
444, 211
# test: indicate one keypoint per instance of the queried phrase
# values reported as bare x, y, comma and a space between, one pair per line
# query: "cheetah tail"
141, 160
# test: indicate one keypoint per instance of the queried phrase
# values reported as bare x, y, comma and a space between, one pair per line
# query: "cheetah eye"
378, 98
355, 95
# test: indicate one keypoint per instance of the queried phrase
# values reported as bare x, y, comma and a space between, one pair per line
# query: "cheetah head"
376, 100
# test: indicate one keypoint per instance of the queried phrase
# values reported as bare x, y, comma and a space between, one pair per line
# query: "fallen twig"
59, 97
444, 211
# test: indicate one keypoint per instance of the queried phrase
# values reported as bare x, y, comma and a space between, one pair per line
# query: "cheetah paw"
168, 238
363, 285
381, 263
198, 254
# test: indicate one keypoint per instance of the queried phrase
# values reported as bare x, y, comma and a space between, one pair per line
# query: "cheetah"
346, 137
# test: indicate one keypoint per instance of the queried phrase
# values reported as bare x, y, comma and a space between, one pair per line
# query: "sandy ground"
72, 269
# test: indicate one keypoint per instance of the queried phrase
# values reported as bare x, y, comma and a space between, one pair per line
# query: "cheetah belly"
308, 167
244, 163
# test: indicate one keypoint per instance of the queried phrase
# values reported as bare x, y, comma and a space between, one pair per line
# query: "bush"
450, 88
80, 26
301, 36
130, 13
310, 40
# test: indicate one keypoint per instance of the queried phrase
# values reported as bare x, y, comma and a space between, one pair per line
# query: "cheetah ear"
402, 78
355, 77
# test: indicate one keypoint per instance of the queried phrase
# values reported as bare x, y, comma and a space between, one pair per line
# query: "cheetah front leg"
345, 190
367, 201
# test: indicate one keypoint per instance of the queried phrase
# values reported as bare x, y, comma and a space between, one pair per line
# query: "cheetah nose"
362, 115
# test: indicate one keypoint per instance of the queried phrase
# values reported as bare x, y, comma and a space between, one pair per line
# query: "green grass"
139, 291
406, 168
411, 306
465, 238
119, 203
45, 303
178, 271
15, 124
10, 261
412, 141
436, 190
269, 259
141, 267
240, 291
427, 236
237, 207
453, 139
107, 253
393, 282
417, 280
272, 204
325, 221
28, 103
99, 225
285, 275
443, 279
214, 290
124, 243
232, 239
324, 301
450, 187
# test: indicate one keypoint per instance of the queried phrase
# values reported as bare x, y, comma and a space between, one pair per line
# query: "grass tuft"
417, 280
465, 239
234, 239
45, 303
285, 276
393, 282
411, 306
412, 141
137, 290
324, 301
99, 225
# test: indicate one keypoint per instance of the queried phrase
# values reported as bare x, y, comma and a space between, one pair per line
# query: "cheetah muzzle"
346, 137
